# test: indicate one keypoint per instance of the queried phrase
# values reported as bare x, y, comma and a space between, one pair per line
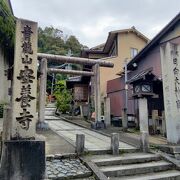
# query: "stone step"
51, 105
134, 169
166, 175
88, 178
50, 109
52, 118
126, 159
49, 113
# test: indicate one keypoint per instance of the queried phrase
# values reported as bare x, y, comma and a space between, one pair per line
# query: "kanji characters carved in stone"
24, 119
27, 33
27, 47
25, 98
26, 75
26, 60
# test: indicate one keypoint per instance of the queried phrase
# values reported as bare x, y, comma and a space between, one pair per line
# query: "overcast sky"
91, 20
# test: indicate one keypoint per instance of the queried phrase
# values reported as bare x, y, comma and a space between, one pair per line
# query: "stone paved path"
93, 140
56, 144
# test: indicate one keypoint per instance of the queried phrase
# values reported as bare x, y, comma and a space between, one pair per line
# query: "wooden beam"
75, 60
65, 71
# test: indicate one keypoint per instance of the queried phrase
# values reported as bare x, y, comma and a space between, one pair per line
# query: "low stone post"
124, 119
80, 142
115, 143
107, 111
144, 141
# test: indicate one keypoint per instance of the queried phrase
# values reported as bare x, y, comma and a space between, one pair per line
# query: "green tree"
7, 28
63, 97
52, 40
73, 44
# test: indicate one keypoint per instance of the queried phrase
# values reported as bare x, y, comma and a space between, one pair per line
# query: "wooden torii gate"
76, 60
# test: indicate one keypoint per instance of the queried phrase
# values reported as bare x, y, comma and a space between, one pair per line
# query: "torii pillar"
97, 98
41, 124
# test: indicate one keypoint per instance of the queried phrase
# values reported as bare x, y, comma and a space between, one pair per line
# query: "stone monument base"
98, 125
23, 160
42, 126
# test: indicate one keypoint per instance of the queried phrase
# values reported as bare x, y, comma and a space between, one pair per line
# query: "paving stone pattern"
66, 168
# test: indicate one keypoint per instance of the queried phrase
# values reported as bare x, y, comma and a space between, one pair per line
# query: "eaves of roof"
155, 40
113, 34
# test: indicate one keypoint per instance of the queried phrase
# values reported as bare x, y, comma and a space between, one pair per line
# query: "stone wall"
4, 83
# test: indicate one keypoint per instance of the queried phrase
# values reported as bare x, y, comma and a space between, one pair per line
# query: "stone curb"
61, 156
94, 168
167, 157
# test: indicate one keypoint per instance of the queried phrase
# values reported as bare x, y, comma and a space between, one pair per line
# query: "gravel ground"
66, 168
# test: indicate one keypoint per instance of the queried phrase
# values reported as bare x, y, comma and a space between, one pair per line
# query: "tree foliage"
63, 97
51, 40
7, 26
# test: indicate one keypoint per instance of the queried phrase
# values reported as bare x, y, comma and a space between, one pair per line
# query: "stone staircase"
50, 110
136, 166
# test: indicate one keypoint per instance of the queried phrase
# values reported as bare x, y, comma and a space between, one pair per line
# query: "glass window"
134, 52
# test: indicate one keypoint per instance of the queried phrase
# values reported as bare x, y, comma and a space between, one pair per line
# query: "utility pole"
125, 110
69, 54
126, 85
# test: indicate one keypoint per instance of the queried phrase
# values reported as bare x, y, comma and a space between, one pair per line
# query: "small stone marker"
115, 143
80, 142
144, 141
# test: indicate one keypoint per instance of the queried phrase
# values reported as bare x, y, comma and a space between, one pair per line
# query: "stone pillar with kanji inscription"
170, 62
24, 81
23, 148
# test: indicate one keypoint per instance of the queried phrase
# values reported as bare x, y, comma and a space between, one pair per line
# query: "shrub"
63, 97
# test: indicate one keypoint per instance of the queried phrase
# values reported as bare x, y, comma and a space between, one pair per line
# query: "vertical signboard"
24, 81
170, 62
